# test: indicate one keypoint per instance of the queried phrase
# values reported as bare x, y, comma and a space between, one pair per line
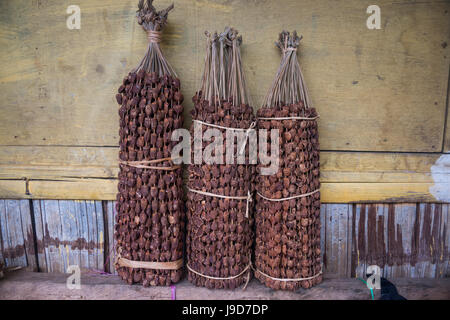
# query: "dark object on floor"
389, 291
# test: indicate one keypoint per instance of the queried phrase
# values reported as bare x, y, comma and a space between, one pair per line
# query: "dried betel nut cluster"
287, 214
219, 229
150, 209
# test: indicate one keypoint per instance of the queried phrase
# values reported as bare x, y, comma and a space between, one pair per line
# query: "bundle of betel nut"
149, 228
287, 218
219, 218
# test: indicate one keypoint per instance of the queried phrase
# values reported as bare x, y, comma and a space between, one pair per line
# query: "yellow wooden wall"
382, 94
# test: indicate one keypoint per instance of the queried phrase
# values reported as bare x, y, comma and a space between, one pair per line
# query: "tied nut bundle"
288, 232
150, 213
219, 230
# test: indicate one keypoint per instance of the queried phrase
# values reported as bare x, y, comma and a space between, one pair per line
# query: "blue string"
371, 290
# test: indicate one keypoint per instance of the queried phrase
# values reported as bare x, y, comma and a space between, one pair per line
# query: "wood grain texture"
336, 244
106, 189
103, 189
446, 145
408, 240
376, 90
69, 233
382, 90
16, 235
111, 252
53, 163
90, 173
405, 240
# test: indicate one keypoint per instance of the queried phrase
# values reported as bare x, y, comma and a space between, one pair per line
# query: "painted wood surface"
69, 233
333, 192
16, 236
376, 90
405, 240
381, 90
40, 163
90, 173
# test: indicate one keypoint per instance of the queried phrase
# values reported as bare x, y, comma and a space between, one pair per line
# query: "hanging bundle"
287, 249
149, 228
219, 219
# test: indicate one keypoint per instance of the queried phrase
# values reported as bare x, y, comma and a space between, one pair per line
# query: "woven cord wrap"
209, 194
291, 279
289, 49
219, 278
154, 36
171, 265
142, 164
247, 268
289, 198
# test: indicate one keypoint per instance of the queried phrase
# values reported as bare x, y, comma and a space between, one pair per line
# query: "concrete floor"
30, 285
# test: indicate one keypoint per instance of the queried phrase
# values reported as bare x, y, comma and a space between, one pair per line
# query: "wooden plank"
83, 232
106, 189
444, 265
111, 253
42, 252
406, 240
70, 233
79, 172
17, 242
378, 192
34, 162
52, 162
69, 189
382, 90
446, 146
336, 245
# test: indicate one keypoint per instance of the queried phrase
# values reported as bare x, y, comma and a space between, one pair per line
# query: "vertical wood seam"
34, 236
444, 138
2, 247
105, 237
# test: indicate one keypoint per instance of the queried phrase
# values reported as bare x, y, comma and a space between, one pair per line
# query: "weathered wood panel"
408, 240
69, 233
111, 252
335, 239
86, 173
447, 121
34, 162
405, 240
75, 189
106, 189
381, 90
16, 235
376, 90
